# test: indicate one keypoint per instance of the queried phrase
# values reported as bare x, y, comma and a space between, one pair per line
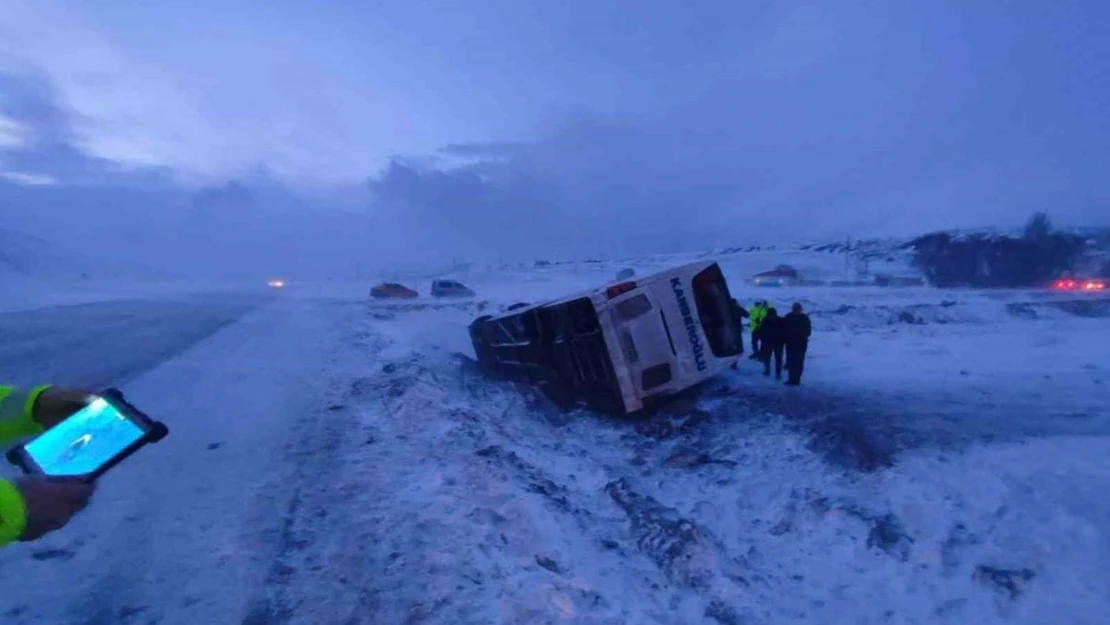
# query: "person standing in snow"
796, 332
771, 342
738, 317
758, 314
33, 505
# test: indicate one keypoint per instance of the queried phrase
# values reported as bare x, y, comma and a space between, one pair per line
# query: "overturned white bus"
618, 348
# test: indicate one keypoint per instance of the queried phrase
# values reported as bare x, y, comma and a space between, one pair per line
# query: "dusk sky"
576, 127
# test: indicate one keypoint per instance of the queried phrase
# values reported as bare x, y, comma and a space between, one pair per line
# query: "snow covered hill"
337, 460
26, 256
846, 262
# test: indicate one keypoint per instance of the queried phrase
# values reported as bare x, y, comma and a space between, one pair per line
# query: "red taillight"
619, 289
1094, 285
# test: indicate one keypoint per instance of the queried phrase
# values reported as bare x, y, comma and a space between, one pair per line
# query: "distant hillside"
857, 261
26, 256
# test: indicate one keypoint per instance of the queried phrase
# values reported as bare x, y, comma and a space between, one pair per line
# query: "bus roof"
687, 268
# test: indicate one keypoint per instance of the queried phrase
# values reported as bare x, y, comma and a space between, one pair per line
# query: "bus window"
631, 308
655, 376
714, 312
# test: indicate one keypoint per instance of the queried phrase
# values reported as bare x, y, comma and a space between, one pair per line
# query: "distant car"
394, 291
1080, 284
451, 288
626, 274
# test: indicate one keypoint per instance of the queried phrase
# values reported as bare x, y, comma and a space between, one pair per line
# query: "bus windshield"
715, 313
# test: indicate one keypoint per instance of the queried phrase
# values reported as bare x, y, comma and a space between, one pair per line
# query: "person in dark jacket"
771, 338
796, 331
739, 314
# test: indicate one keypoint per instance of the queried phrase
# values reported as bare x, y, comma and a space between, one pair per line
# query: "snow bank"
477, 506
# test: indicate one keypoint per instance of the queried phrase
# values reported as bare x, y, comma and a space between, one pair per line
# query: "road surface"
103, 343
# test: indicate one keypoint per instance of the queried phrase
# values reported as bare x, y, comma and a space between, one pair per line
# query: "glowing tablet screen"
85, 441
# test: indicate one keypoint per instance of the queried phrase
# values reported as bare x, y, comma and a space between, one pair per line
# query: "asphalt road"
109, 343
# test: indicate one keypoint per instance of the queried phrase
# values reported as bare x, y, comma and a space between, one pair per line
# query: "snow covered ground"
336, 460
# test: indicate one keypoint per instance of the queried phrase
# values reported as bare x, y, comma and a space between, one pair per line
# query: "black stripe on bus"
668, 329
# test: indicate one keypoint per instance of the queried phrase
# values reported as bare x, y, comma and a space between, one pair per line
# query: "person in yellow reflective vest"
33, 505
757, 314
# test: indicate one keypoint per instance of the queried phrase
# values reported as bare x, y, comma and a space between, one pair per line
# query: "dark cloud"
483, 149
145, 217
812, 124
48, 145
591, 188
690, 126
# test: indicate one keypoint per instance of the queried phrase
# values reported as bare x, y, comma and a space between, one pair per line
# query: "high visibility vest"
16, 421
758, 314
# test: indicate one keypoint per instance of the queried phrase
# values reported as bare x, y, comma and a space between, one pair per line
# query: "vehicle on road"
393, 290
450, 288
620, 347
1080, 284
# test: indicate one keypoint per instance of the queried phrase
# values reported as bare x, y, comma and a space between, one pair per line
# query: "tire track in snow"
309, 578
702, 574
449, 534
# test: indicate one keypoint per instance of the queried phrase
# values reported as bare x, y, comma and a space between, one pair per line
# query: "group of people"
772, 335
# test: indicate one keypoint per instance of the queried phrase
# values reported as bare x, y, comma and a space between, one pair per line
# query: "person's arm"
17, 412
13, 513
16, 421
31, 506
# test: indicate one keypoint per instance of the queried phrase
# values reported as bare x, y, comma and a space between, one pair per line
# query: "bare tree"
1038, 228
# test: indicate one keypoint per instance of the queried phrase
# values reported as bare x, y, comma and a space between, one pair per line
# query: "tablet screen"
84, 441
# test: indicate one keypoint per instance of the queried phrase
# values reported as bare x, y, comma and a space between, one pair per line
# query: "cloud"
591, 188
113, 108
212, 93
249, 226
11, 133
811, 124
38, 140
30, 180
571, 129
